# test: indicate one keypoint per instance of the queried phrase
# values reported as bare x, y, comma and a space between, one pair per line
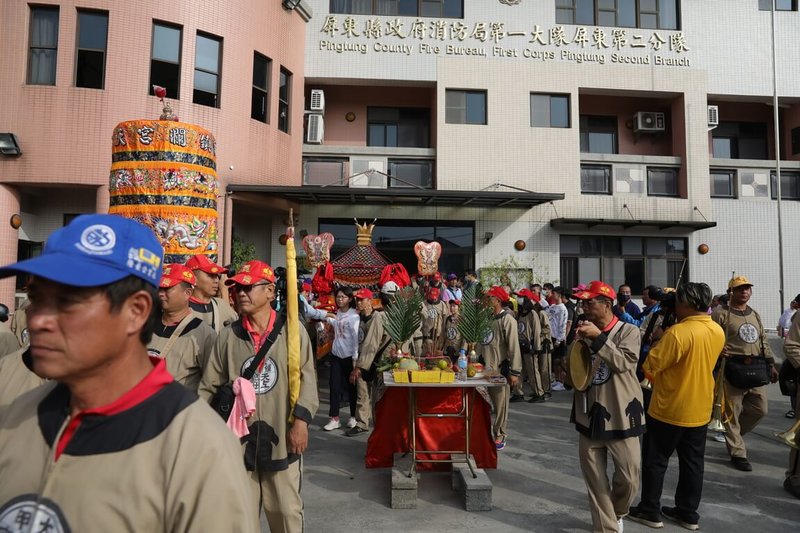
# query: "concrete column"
9, 205
227, 230
101, 200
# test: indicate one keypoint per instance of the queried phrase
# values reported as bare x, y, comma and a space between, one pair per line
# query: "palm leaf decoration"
403, 316
474, 318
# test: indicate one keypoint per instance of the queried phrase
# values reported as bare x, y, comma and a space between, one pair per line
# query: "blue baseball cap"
96, 250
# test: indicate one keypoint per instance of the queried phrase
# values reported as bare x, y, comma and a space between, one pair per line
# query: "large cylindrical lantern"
163, 174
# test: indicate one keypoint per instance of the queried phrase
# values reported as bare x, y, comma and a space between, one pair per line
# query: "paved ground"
538, 484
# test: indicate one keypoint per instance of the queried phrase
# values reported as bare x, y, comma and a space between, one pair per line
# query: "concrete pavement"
538, 484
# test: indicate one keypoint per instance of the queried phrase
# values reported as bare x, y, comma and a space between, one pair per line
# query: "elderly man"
278, 429
609, 413
112, 442
181, 337
681, 369
745, 345
205, 300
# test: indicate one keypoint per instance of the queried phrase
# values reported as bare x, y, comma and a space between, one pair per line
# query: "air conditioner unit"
713, 116
368, 174
316, 129
317, 101
648, 121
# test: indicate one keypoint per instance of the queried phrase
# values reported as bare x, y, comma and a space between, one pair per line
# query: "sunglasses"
247, 288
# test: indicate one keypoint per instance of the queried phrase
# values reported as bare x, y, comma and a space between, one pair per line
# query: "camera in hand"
666, 301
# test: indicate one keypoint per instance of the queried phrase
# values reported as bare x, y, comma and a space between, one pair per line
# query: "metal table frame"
467, 389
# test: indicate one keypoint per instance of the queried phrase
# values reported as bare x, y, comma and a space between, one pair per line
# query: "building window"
398, 127
636, 261
780, 5
90, 64
549, 110
43, 45
655, 14
739, 140
207, 59
411, 173
465, 107
662, 181
165, 59
795, 141
284, 95
260, 99
595, 179
598, 134
325, 171
403, 8
723, 183
790, 185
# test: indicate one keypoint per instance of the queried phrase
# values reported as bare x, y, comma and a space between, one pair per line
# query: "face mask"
624, 298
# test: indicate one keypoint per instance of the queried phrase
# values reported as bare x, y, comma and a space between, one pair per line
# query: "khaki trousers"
609, 502
544, 371
528, 370
279, 494
364, 405
749, 406
499, 396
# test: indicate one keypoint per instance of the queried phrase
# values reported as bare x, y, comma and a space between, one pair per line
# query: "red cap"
437, 277
363, 294
527, 293
202, 262
455, 302
433, 293
596, 288
251, 273
176, 273
498, 293
580, 287
306, 287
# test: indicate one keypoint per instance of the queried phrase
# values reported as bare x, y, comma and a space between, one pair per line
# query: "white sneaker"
557, 386
352, 422
333, 424
620, 525
719, 437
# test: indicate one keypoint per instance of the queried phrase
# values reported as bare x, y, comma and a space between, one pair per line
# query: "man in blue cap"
111, 427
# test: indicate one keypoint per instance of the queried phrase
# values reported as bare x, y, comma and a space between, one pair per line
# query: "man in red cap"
205, 300
371, 336
453, 341
434, 314
274, 447
609, 414
499, 346
181, 337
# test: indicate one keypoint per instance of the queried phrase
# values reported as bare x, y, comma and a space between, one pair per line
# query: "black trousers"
339, 382
660, 441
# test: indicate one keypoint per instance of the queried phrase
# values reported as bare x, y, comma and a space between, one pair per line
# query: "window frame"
172, 26
32, 8
217, 74
78, 49
392, 179
608, 171
733, 179
597, 9
766, 5
588, 131
262, 91
784, 174
467, 92
550, 97
418, 11
403, 120
284, 105
675, 172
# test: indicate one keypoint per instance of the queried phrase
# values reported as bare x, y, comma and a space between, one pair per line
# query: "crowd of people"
115, 356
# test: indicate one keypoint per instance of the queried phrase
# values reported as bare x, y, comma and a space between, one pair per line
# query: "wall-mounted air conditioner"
317, 101
713, 116
315, 132
648, 121
368, 173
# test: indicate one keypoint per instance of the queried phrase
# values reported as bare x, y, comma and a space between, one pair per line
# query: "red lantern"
519, 245
702, 249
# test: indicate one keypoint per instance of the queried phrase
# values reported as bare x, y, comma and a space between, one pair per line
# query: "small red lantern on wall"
282, 239
702, 249
519, 245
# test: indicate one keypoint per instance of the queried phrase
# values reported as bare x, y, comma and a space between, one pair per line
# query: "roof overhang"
626, 223
396, 196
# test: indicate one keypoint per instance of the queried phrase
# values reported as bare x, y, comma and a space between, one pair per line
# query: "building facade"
611, 138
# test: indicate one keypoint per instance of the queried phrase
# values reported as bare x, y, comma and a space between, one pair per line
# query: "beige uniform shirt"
791, 346
19, 324
744, 332
270, 423
189, 352
16, 376
502, 343
530, 330
217, 313
167, 465
371, 337
8, 341
433, 320
612, 406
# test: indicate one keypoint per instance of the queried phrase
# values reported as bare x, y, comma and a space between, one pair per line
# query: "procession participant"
278, 431
453, 340
371, 337
501, 348
181, 337
110, 412
681, 369
205, 300
791, 349
434, 313
16, 376
8, 341
343, 357
558, 326
470, 279
542, 353
745, 344
609, 414
451, 290
19, 324
529, 331
624, 303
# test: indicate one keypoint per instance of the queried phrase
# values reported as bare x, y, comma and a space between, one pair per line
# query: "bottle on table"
462, 365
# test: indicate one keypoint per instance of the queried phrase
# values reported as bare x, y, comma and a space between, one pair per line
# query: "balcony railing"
753, 178
638, 175
334, 166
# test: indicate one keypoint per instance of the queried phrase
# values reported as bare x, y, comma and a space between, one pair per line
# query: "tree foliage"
474, 316
403, 316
